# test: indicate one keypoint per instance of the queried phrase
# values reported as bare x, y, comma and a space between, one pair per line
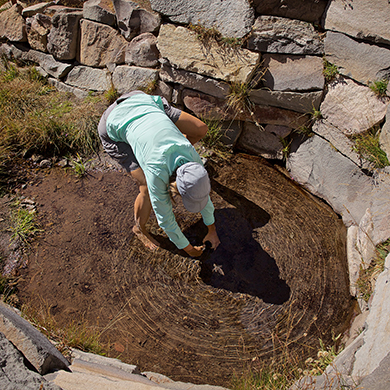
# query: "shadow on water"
240, 264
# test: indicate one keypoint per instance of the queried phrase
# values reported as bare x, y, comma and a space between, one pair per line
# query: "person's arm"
162, 206
209, 221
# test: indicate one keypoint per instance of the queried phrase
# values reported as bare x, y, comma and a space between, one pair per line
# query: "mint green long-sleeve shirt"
160, 149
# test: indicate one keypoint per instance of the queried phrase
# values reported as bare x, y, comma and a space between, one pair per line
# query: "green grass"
37, 119
330, 71
379, 87
75, 334
367, 277
78, 166
24, 225
368, 147
212, 139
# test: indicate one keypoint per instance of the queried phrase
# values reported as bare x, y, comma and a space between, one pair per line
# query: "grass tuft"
330, 71
368, 147
24, 225
77, 335
37, 119
379, 87
367, 277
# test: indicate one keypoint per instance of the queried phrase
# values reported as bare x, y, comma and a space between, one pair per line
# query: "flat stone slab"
37, 349
14, 374
360, 18
362, 61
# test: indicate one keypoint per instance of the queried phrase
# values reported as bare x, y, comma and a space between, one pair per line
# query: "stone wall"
196, 53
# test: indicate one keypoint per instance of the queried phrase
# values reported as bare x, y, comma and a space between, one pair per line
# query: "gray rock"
333, 177
379, 379
62, 87
194, 81
210, 107
359, 60
231, 131
128, 78
62, 41
35, 9
14, 375
384, 138
377, 335
308, 10
339, 141
38, 28
100, 44
46, 61
88, 78
100, 11
184, 50
13, 25
360, 18
352, 108
263, 141
299, 73
132, 20
142, 51
272, 34
35, 347
354, 259
295, 101
365, 240
232, 18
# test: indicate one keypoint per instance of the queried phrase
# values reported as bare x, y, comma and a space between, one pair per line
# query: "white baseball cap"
193, 184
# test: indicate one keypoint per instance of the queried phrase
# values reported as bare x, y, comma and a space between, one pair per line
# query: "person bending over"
154, 141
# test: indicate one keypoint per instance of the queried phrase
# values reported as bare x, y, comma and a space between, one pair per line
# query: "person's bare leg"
142, 210
192, 127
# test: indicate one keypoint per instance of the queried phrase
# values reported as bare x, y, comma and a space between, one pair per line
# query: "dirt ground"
277, 282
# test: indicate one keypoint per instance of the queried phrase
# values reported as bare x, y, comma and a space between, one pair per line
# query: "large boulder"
352, 108
360, 18
232, 18
100, 44
85, 77
184, 50
303, 102
325, 172
210, 107
38, 28
377, 334
298, 73
308, 10
128, 78
13, 25
46, 61
362, 61
142, 51
14, 374
274, 34
35, 9
194, 81
62, 41
133, 20
263, 141
334, 178
101, 11
37, 349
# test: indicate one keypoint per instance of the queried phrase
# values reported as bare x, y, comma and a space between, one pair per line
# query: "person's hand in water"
212, 237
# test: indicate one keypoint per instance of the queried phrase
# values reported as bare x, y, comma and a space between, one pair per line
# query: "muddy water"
277, 283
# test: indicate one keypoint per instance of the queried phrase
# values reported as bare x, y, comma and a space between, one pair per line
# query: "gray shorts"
122, 151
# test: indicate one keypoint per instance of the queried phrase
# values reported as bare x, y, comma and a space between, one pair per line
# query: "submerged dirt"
278, 282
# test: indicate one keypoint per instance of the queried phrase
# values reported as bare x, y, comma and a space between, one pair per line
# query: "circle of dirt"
278, 281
